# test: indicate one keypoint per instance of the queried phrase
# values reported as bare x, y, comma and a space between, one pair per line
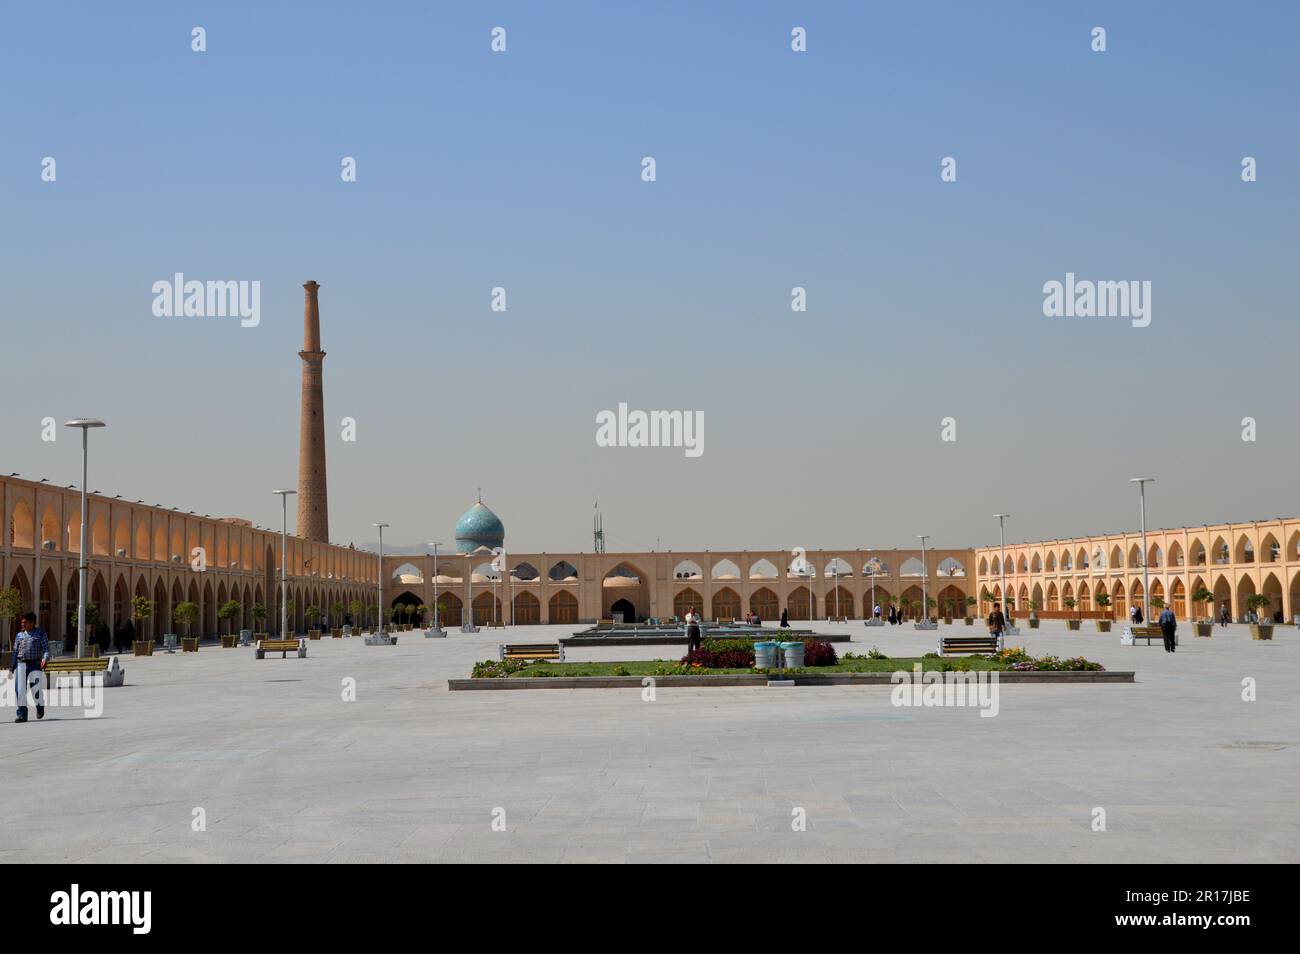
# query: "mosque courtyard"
215, 756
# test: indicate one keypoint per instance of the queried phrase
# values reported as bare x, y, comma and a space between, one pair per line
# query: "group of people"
895, 618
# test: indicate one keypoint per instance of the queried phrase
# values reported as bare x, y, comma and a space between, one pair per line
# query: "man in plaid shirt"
31, 653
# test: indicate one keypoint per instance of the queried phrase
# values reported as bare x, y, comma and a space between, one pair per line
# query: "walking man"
1224, 615
997, 623
31, 653
1169, 628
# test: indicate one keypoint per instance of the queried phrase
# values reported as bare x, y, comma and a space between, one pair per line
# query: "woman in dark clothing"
785, 619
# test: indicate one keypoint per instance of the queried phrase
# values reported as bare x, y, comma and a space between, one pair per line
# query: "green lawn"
650, 667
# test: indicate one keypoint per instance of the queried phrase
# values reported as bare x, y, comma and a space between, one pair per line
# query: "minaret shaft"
313, 496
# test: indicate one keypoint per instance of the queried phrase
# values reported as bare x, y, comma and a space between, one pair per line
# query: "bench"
838, 619
496, 624
281, 646
1145, 632
951, 645
548, 651
59, 667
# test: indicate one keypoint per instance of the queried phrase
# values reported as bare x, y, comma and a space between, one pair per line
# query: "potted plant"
259, 621
289, 608
313, 618
1034, 607
1071, 602
1256, 603
947, 612
1203, 627
1103, 601
186, 613
421, 612
970, 602
930, 604
226, 612
356, 607
336, 617
906, 604
92, 616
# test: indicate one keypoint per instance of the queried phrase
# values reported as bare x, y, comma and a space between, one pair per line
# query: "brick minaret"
313, 499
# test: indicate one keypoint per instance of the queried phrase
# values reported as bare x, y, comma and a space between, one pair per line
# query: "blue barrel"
765, 655
793, 655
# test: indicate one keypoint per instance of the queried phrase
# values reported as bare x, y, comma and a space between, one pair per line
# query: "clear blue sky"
775, 169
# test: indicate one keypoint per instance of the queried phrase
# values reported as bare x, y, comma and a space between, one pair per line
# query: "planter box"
1261, 630
1103, 625
1033, 623
1203, 629
143, 647
313, 634
1073, 623
970, 620
947, 621
336, 633
190, 644
260, 636
230, 641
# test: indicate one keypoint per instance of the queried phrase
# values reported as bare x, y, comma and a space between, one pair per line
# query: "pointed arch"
22, 526
687, 600
800, 603
688, 570
764, 603
725, 570
563, 608
527, 609
763, 570
726, 604
562, 570
951, 567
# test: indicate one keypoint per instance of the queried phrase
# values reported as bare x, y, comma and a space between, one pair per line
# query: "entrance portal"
626, 608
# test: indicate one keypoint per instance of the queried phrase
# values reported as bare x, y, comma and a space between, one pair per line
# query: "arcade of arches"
139, 550
585, 587
1233, 561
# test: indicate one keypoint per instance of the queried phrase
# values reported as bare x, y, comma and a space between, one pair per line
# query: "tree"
422, 611
141, 610
185, 613
1256, 603
336, 613
228, 611
1202, 596
1070, 602
313, 614
1103, 600
11, 605
355, 607
259, 614
92, 616
906, 603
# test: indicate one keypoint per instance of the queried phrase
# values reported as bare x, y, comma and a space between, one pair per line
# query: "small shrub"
877, 654
706, 658
817, 653
622, 671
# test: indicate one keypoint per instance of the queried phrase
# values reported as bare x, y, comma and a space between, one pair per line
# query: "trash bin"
793, 653
765, 655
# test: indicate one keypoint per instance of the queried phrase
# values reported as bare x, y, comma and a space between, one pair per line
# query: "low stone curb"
574, 641
738, 679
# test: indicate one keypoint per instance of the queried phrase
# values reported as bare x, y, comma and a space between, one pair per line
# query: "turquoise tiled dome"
479, 527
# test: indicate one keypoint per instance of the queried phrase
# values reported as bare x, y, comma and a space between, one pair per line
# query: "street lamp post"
85, 424
1146, 585
381, 575
436, 624
925, 573
284, 560
1002, 555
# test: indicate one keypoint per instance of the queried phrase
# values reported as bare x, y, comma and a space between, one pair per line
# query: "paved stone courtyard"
285, 770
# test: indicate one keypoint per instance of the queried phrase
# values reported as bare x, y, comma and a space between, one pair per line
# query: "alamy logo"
103, 907
935, 689
1087, 299
215, 299
651, 429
